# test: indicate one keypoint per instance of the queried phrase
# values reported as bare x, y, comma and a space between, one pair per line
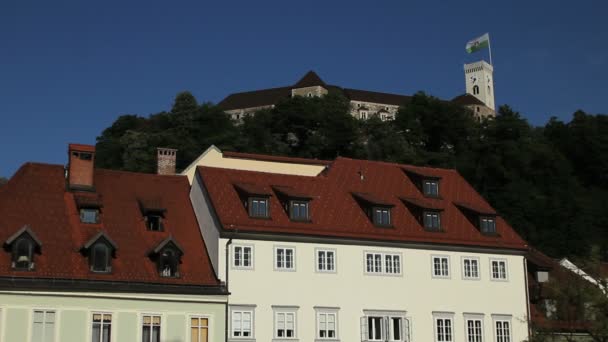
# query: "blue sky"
69, 69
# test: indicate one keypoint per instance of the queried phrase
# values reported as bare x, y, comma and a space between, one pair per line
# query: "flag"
478, 43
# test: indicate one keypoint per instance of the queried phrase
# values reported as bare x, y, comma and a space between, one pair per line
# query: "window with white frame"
199, 329
382, 263
431, 220
285, 322
43, 326
441, 266
444, 327
327, 324
474, 328
470, 268
502, 329
241, 322
384, 326
430, 187
285, 258
499, 269
150, 328
242, 256
326, 260
101, 329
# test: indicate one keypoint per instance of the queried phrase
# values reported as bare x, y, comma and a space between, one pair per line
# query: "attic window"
23, 254
378, 210
298, 210
258, 207
168, 257
487, 224
430, 187
154, 222
100, 258
89, 215
381, 216
431, 220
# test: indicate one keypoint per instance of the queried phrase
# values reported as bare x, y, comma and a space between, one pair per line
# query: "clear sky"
69, 69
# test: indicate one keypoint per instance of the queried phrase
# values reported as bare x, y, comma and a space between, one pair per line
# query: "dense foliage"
549, 182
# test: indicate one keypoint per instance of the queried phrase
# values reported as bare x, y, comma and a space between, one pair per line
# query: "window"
242, 323
499, 269
383, 263
443, 329
258, 207
326, 260
23, 254
441, 267
154, 222
100, 258
470, 268
243, 257
487, 225
327, 325
168, 263
101, 327
199, 329
284, 258
363, 114
503, 330
150, 328
432, 220
89, 215
285, 323
384, 326
430, 188
474, 328
382, 216
43, 329
298, 210
475, 90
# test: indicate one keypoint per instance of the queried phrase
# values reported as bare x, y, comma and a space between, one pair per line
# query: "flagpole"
490, 49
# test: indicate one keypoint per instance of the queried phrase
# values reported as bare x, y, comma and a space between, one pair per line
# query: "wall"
317, 91
352, 291
483, 72
74, 315
373, 109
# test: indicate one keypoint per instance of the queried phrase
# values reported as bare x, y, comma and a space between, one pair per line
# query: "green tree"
3, 181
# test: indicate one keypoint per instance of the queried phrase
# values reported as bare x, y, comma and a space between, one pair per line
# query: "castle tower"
479, 80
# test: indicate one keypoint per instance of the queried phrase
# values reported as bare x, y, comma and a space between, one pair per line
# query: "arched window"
100, 258
475, 90
168, 263
23, 254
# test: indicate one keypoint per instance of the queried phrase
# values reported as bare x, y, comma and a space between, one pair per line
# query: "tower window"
475, 90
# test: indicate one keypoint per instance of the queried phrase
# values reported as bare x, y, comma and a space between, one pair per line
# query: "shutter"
406, 330
364, 329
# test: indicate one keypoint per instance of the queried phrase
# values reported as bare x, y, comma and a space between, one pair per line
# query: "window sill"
241, 339
327, 340
282, 339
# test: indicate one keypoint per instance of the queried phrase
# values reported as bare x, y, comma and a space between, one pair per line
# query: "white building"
362, 251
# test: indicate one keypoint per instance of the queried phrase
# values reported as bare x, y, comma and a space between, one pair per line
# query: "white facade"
479, 81
265, 299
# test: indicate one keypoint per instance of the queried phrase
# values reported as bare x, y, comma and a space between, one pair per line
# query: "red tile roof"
36, 196
334, 211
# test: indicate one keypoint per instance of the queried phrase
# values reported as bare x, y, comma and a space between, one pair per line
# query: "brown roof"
334, 211
311, 79
467, 100
376, 97
36, 196
256, 98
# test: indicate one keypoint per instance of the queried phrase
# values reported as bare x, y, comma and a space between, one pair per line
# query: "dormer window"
382, 216
298, 210
430, 188
23, 246
258, 207
154, 222
487, 225
89, 215
168, 257
154, 213
378, 210
431, 220
100, 250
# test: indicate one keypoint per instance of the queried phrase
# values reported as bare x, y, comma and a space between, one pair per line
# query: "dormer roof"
24, 230
167, 242
97, 237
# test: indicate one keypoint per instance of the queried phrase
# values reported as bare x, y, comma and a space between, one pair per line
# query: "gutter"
228, 243
527, 290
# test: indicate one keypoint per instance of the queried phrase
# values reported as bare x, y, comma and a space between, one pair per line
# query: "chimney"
80, 167
165, 161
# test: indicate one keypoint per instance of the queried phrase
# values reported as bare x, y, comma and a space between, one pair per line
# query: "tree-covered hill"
550, 183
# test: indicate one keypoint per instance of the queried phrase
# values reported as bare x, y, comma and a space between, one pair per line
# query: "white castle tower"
479, 80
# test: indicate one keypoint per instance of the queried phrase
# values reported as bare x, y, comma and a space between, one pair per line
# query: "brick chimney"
80, 167
165, 161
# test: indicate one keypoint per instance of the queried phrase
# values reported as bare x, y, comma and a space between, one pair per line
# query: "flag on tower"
478, 43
